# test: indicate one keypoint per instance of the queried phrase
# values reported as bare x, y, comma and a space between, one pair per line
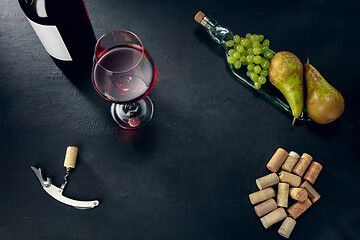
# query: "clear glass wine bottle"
220, 35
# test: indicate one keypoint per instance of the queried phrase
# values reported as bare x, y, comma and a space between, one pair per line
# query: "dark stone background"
187, 174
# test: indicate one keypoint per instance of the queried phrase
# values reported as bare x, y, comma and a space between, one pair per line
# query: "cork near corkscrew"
69, 162
70, 157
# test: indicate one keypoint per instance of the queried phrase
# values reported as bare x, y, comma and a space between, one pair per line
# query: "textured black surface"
187, 174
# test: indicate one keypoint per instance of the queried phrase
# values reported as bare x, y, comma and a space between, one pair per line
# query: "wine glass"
124, 74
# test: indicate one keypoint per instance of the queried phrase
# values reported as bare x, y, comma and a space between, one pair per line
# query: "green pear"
324, 103
286, 74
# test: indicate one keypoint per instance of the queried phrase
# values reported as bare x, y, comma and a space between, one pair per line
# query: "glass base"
133, 115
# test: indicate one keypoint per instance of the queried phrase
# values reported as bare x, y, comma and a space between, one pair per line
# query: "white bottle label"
52, 41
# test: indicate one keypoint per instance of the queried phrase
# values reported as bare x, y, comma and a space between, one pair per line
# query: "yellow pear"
324, 103
286, 74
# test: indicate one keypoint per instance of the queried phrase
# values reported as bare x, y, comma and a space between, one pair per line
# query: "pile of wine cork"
293, 176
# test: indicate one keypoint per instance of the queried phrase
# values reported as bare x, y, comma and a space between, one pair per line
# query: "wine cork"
289, 178
290, 161
261, 195
313, 172
199, 16
312, 193
273, 217
299, 194
299, 208
287, 227
265, 207
70, 158
267, 181
277, 160
283, 195
302, 164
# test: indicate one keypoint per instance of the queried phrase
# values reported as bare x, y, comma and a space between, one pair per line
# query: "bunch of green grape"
253, 52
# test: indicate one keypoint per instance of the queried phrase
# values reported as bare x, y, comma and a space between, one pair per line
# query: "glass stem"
131, 109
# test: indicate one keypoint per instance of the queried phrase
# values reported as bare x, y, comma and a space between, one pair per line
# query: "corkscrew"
55, 192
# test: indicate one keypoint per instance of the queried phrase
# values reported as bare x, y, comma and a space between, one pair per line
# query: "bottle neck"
217, 32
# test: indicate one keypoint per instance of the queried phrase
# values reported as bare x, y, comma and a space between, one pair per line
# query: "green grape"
257, 69
231, 52
254, 77
244, 42
248, 35
235, 45
242, 58
265, 64
236, 55
264, 49
268, 54
250, 67
256, 51
257, 59
250, 50
253, 38
248, 73
262, 79
260, 38
257, 85
230, 59
236, 38
239, 48
249, 59
229, 43
237, 64
255, 44
264, 72
266, 42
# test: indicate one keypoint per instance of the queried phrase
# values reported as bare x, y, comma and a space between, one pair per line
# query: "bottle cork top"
199, 16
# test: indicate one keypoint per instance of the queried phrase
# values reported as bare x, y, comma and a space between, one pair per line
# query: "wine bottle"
221, 35
64, 29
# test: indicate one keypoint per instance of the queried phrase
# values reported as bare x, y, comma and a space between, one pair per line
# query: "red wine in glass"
124, 73
130, 86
